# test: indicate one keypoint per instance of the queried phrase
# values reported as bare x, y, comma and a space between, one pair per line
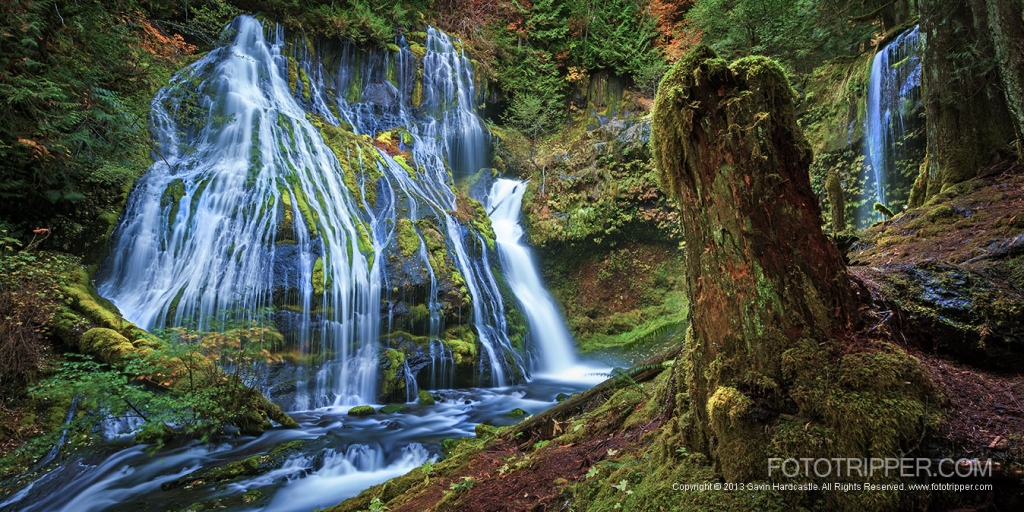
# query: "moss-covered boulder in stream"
362, 410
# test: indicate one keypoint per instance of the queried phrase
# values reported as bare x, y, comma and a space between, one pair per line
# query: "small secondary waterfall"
555, 349
327, 185
894, 99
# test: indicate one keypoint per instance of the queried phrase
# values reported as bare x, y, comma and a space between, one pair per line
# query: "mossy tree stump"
770, 297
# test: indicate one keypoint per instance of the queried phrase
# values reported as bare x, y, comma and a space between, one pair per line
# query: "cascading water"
317, 182
200, 240
893, 117
556, 352
258, 199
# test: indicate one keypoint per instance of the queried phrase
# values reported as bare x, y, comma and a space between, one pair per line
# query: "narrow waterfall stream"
893, 104
555, 351
324, 190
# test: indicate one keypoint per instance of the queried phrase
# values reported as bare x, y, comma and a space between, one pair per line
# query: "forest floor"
951, 275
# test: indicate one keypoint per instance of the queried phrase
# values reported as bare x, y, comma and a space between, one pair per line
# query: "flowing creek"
319, 182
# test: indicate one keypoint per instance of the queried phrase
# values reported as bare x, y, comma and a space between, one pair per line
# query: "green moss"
482, 222
362, 410
246, 467
400, 160
417, 89
307, 90
391, 386
424, 398
350, 149
464, 352
108, 344
96, 309
392, 408
878, 402
309, 216
172, 198
419, 314
408, 240
286, 226
942, 213
462, 342
833, 99
398, 338
417, 49
884, 210
320, 283
516, 413
293, 74
364, 242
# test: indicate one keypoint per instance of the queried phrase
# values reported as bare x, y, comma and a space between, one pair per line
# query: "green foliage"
531, 115
30, 296
462, 486
179, 382
799, 33
205, 22
544, 46
378, 506
363, 21
617, 35
76, 81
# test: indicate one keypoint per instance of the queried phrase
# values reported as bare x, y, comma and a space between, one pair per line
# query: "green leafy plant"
462, 486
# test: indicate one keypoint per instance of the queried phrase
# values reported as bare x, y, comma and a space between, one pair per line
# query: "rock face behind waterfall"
333, 186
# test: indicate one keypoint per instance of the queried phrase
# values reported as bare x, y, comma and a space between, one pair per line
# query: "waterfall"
285, 177
894, 98
554, 346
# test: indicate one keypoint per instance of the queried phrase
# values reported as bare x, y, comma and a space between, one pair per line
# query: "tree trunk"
966, 118
761, 274
1007, 25
763, 372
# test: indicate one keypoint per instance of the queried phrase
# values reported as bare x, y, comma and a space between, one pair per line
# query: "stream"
338, 455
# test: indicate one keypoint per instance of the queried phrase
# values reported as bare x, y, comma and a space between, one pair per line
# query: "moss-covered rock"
108, 344
956, 311
408, 240
171, 198
94, 308
362, 410
516, 413
424, 398
321, 282
392, 382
